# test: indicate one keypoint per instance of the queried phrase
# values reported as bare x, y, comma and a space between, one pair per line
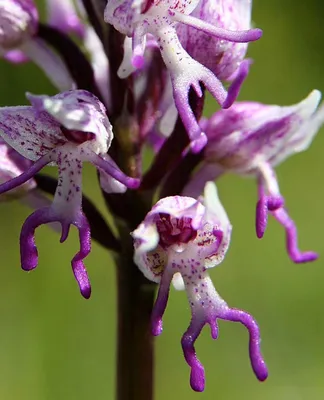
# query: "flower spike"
64, 130
184, 236
250, 139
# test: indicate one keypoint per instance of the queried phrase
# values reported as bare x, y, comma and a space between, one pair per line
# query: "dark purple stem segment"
135, 353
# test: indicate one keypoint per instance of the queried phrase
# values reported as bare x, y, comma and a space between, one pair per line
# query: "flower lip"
77, 136
174, 230
146, 5
80, 112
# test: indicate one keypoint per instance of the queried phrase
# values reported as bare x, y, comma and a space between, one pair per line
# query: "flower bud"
18, 21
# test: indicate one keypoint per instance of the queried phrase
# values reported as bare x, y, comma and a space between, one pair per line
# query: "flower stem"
135, 353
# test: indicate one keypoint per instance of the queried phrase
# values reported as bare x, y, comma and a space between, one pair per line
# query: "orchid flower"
184, 236
222, 57
250, 139
19, 42
64, 130
137, 18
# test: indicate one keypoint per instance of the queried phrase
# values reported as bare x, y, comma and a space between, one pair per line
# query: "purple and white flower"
181, 238
138, 18
64, 130
222, 57
19, 41
250, 139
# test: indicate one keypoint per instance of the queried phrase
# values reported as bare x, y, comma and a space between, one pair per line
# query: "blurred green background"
56, 345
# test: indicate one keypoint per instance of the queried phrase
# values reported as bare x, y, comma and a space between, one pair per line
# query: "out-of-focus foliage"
56, 345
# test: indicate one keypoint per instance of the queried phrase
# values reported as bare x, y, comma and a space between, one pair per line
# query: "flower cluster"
137, 70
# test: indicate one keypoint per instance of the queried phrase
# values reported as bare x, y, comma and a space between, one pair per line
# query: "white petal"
30, 133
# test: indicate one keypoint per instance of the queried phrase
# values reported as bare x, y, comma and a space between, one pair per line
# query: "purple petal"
197, 373
257, 362
78, 267
264, 205
31, 134
16, 57
62, 15
235, 87
28, 249
295, 254
25, 176
161, 303
221, 33
115, 172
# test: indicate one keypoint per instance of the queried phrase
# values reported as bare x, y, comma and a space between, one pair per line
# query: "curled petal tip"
86, 291
157, 327
214, 330
198, 144
28, 249
255, 34
261, 372
29, 263
138, 61
234, 89
308, 256
28, 256
82, 278
65, 232
197, 378
133, 183
260, 231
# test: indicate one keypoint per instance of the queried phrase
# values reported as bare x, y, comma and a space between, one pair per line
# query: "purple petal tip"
197, 378
261, 373
29, 262
133, 183
138, 61
28, 255
306, 257
214, 329
86, 292
256, 34
198, 144
261, 218
157, 327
